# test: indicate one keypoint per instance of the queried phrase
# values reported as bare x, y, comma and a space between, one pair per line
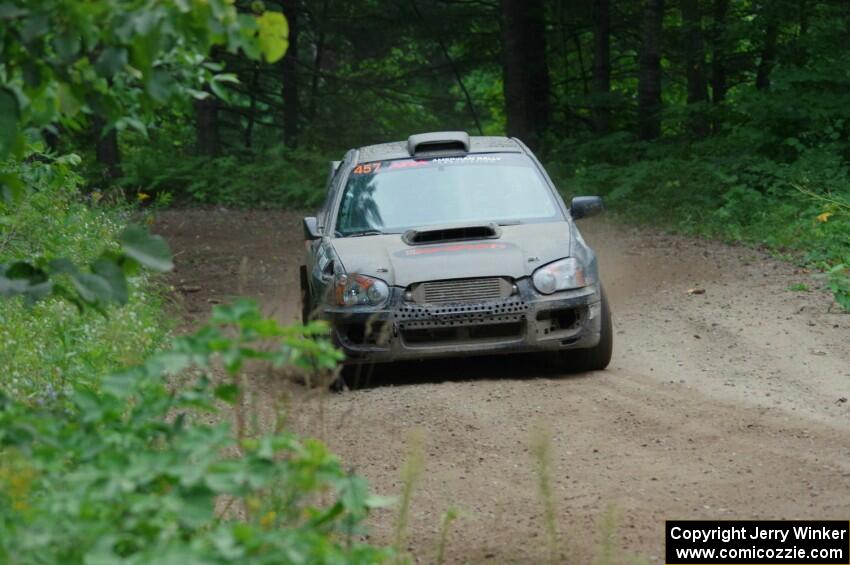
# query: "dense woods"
717, 117
746, 97
358, 72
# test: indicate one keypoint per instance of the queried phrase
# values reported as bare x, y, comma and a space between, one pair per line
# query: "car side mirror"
586, 206
311, 228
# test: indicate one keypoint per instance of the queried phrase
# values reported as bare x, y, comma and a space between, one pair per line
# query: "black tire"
595, 358
306, 308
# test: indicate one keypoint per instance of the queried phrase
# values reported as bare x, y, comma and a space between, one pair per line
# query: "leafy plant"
35, 268
48, 346
117, 60
101, 282
838, 281
262, 179
130, 471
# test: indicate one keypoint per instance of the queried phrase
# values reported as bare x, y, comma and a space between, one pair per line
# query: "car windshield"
393, 196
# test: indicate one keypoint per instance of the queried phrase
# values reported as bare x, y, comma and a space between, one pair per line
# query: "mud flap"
305, 294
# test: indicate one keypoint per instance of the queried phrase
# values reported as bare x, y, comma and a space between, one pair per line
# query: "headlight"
359, 290
560, 275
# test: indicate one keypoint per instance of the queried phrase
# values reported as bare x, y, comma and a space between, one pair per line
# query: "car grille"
462, 290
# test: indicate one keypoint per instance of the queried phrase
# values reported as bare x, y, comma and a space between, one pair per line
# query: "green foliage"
718, 189
273, 35
776, 173
47, 347
129, 471
273, 178
838, 280
119, 59
39, 266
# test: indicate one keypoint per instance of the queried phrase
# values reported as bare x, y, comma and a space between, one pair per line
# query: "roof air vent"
438, 144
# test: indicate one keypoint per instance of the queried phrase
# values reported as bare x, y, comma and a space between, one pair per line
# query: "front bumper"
527, 321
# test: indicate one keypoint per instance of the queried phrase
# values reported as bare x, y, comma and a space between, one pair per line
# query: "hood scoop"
442, 234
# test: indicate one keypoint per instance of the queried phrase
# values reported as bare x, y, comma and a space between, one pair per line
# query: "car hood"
518, 251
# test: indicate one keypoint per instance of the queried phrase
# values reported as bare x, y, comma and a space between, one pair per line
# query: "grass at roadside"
102, 459
48, 347
798, 208
273, 178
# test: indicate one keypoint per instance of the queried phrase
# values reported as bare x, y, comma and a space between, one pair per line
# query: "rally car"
449, 245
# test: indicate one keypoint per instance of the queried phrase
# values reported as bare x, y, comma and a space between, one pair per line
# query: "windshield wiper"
362, 233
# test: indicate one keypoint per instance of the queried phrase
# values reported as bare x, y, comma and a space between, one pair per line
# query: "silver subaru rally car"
450, 245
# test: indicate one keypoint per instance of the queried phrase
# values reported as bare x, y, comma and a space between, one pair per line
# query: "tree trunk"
649, 73
289, 75
207, 140
601, 66
107, 152
317, 62
695, 62
525, 74
252, 108
718, 55
50, 136
768, 51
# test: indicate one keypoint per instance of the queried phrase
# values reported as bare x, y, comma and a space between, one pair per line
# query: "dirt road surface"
727, 404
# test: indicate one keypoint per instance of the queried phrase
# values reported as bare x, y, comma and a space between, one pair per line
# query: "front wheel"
597, 357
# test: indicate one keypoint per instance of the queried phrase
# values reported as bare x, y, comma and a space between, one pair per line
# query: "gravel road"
729, 403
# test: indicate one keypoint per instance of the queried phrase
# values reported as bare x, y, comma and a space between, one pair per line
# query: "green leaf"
24, 279
91, 288
68, 103
69, 159
111, 61
12, 188
63, 266
10, 113
34, 27
67, 45
273, 35
109, 271
150, 251
217, 84
23, 270
8, 11
89, 404
134, 123
160, 85
94, 289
